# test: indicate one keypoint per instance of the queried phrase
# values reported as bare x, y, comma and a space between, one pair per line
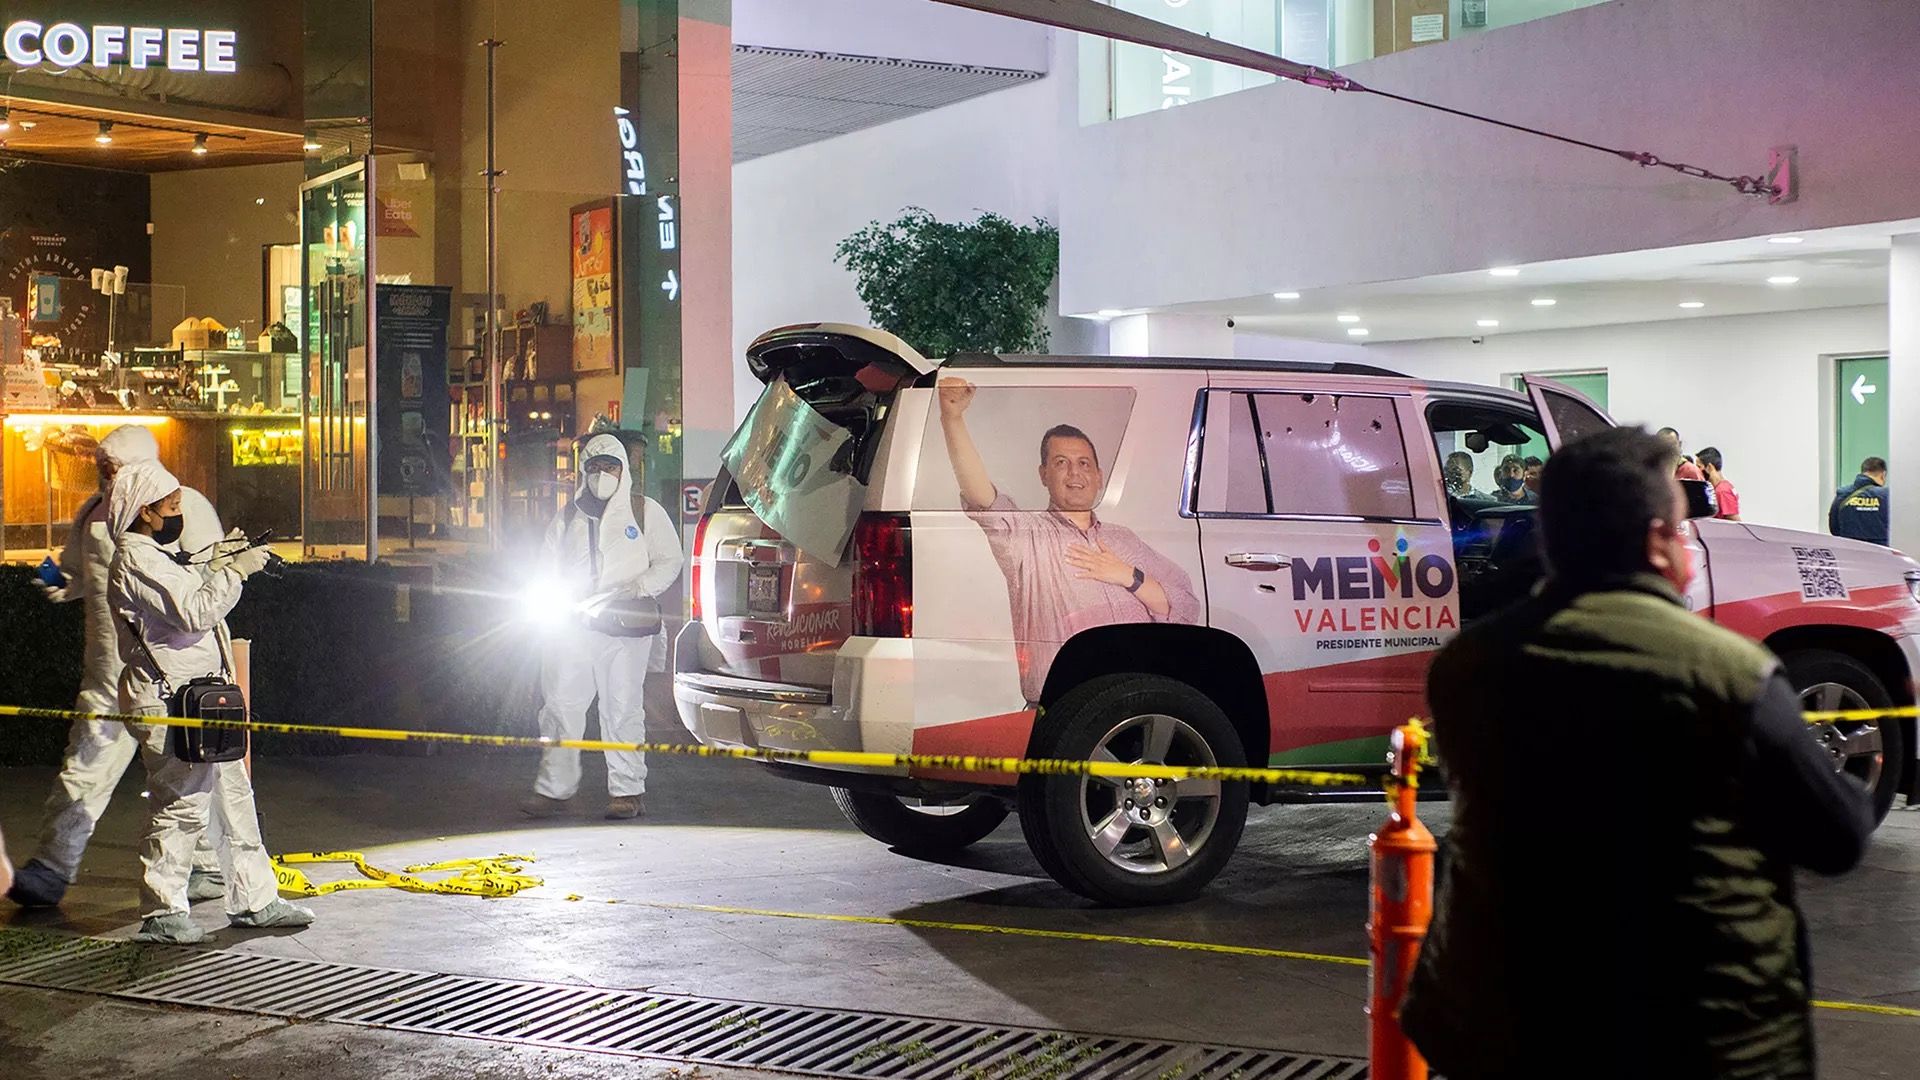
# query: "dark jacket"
1632, 787
1859, 511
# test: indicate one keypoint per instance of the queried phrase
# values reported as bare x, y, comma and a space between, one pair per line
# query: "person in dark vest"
1633, 787
1859, 510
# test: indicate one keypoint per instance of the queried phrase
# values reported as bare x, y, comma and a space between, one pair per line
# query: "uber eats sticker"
1395, 598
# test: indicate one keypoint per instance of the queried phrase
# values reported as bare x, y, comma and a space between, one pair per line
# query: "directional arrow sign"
671, 287
1861, 388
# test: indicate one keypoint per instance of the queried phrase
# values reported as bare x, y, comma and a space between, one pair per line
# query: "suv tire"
1828, 680
914, 831
1081, 828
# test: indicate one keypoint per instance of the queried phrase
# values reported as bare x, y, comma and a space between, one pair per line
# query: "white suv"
1163, 560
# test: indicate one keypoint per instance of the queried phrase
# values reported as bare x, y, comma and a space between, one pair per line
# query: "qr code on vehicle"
1819, 574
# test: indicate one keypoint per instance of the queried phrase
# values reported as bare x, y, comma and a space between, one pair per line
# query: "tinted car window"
1572, 417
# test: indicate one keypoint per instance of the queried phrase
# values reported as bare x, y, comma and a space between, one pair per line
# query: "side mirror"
1700, 499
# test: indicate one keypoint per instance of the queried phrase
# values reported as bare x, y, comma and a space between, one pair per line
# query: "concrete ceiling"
1841, 267
783, 98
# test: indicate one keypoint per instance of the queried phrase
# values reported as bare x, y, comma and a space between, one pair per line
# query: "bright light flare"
546, 604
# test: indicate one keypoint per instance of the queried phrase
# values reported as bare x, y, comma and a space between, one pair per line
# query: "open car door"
1565, 413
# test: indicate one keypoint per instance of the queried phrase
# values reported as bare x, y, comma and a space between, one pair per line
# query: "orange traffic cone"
1401, 908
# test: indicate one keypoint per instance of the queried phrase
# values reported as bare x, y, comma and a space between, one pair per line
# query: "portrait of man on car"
1066, 569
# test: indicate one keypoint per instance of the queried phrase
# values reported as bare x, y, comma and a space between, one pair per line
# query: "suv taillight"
698, 573
883, 576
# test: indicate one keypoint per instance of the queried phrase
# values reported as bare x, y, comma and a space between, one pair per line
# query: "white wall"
1753, 385
996, 152
902, 29
208, 232
1288, 187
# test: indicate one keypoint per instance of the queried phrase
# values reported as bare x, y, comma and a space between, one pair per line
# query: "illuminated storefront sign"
634, 176
68, 45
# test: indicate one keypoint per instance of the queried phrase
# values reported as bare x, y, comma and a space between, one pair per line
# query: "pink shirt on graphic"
1727, 499
1048, 599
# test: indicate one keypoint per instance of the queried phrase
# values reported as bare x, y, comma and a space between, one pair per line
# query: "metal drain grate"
705, 1031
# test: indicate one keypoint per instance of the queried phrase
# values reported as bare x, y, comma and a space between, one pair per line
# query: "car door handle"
1259, 560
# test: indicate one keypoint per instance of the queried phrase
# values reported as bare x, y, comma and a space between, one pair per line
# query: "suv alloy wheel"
1134, 841
1875, 753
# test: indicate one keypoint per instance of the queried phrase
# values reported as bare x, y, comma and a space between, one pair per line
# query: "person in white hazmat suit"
168, 617
99, 751
606, 546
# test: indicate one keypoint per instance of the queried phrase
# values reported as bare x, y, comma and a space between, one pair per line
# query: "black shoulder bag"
209, 697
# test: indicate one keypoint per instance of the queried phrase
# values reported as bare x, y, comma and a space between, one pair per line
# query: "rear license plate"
763, 591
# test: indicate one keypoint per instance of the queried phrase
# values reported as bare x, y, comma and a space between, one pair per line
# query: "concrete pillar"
1903, 390
1169, 335
708, 365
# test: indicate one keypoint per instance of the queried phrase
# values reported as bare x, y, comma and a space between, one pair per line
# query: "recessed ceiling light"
309, 146
200, 143
260, 201
1286, 296
1543, 301
1348, 318
1505, 271
1357, 331
1110, 312
1486, 324
1783, 279
29, 125
1785, 239
1692, 305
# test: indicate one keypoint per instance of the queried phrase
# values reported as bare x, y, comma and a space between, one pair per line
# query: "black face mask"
169, 529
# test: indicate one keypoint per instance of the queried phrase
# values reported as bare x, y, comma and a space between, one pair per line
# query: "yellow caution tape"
846, 758
1863, 1007
1860, 716
1308, 778
492, 877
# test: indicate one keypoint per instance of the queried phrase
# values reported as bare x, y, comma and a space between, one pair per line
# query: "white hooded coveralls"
177, 612
592, 556
99, 751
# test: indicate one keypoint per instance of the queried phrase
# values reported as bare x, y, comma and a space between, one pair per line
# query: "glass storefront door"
335, 280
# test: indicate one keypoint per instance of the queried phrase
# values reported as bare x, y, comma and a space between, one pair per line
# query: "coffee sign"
68, 45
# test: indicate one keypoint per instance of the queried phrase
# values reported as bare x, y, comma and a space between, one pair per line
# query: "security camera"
1477, 339
1229, 322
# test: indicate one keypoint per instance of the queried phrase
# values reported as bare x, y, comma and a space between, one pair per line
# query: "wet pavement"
744, 886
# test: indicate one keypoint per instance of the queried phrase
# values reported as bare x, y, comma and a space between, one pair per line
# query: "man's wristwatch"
1139, 579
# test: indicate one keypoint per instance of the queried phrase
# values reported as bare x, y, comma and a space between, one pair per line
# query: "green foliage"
948, 287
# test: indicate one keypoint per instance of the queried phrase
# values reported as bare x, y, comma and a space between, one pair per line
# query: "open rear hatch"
773, 586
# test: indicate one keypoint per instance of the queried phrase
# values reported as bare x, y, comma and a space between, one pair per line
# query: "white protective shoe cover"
175, 928
205, 885
274, 916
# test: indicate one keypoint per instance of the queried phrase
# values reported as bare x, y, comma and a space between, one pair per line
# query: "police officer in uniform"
1859, 510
